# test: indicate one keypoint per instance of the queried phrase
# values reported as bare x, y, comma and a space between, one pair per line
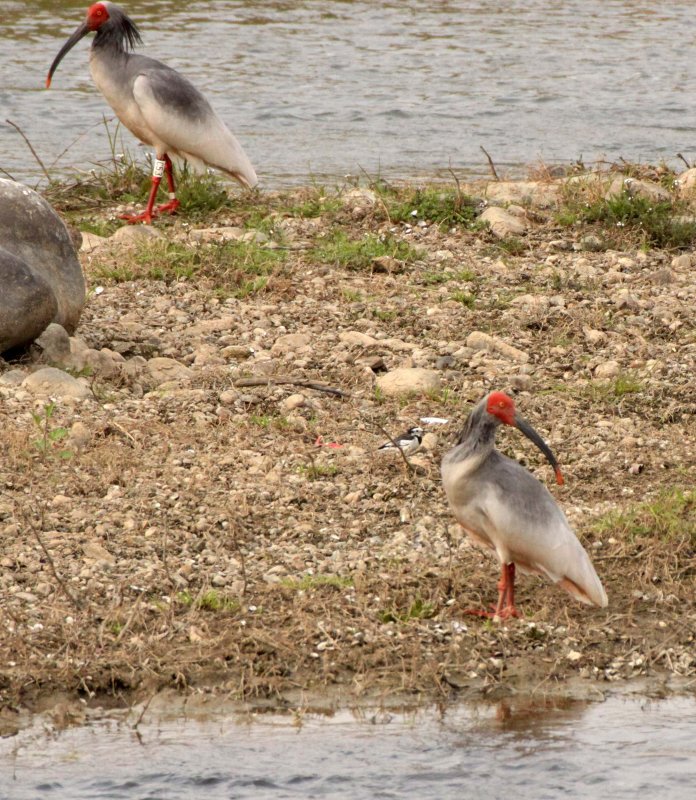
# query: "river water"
414, 87
619, 750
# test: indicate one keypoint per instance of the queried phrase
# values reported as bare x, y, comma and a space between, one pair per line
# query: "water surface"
398, 88
618, 749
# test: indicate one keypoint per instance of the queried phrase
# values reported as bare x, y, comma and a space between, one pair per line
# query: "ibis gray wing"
184, 123
534, 530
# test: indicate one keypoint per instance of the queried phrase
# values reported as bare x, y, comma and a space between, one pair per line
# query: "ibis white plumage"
504, 508
157, 104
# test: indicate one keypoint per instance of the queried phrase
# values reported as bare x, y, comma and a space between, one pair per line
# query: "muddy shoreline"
203, 535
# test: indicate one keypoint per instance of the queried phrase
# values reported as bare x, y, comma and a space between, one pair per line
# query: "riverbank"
222, 521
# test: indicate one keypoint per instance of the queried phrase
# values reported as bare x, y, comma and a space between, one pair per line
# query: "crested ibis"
504, 508
157, 104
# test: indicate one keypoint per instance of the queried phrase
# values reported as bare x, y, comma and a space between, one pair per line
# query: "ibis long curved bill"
522, 425
79, 34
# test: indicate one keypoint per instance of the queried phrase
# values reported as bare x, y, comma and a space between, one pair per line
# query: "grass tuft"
358, 254
670, 517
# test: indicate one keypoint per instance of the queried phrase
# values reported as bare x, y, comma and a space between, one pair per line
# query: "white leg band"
172, 195
158, 168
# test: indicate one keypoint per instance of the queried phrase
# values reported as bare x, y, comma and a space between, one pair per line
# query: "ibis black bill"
80, 33
522, 425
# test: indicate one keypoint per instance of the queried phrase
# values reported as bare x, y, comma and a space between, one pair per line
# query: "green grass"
670, 517
417, 609
645, 221
315, 472
384, 315
231, 269
465, 298
211, 600
267, 421
446, 207
316, 204
308, 582
99, 227
357, 254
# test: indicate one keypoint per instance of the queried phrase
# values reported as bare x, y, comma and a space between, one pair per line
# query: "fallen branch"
279, 379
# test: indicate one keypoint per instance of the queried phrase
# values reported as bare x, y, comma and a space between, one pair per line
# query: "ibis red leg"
173, 203
506, 597
161, 166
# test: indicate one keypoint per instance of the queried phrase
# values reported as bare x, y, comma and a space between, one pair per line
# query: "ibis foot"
169, 208
144, 217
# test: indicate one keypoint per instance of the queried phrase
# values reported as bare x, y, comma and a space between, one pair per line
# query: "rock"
521, 382
594, 337
638, 188
42, 280
387, 264
13, 377
79, 437
91, 242
686, 183
53, 382
608, 369
55, 344
407, 380
292, 402
162, 370
535, 302
684, 261
359, 197
445, 362
627, 300
226, 323
535, 193
592, 244
228, 233
356, 338
502, 223
94, 551
477, 340
131, 235
229, 396
290, 343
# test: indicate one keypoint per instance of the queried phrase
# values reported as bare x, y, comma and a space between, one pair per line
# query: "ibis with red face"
157, 104
505, 509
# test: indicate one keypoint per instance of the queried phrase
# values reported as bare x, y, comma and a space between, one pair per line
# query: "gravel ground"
215, 515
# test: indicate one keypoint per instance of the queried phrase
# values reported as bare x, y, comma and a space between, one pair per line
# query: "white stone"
161, 370
502, 223
477, 340
53, 382
607, 369
356, 338
405, 380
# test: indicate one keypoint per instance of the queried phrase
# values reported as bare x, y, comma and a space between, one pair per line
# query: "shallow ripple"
618, 749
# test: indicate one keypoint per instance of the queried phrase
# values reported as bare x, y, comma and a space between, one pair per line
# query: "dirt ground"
226, 532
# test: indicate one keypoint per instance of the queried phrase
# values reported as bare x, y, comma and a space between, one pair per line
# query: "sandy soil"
200, 533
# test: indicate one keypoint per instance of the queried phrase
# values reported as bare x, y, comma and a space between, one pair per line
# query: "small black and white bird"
408, 442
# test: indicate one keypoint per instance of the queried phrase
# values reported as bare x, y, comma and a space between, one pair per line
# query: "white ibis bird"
504, 508
157, 104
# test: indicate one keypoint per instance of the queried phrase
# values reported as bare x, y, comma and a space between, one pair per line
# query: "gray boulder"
41, 279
